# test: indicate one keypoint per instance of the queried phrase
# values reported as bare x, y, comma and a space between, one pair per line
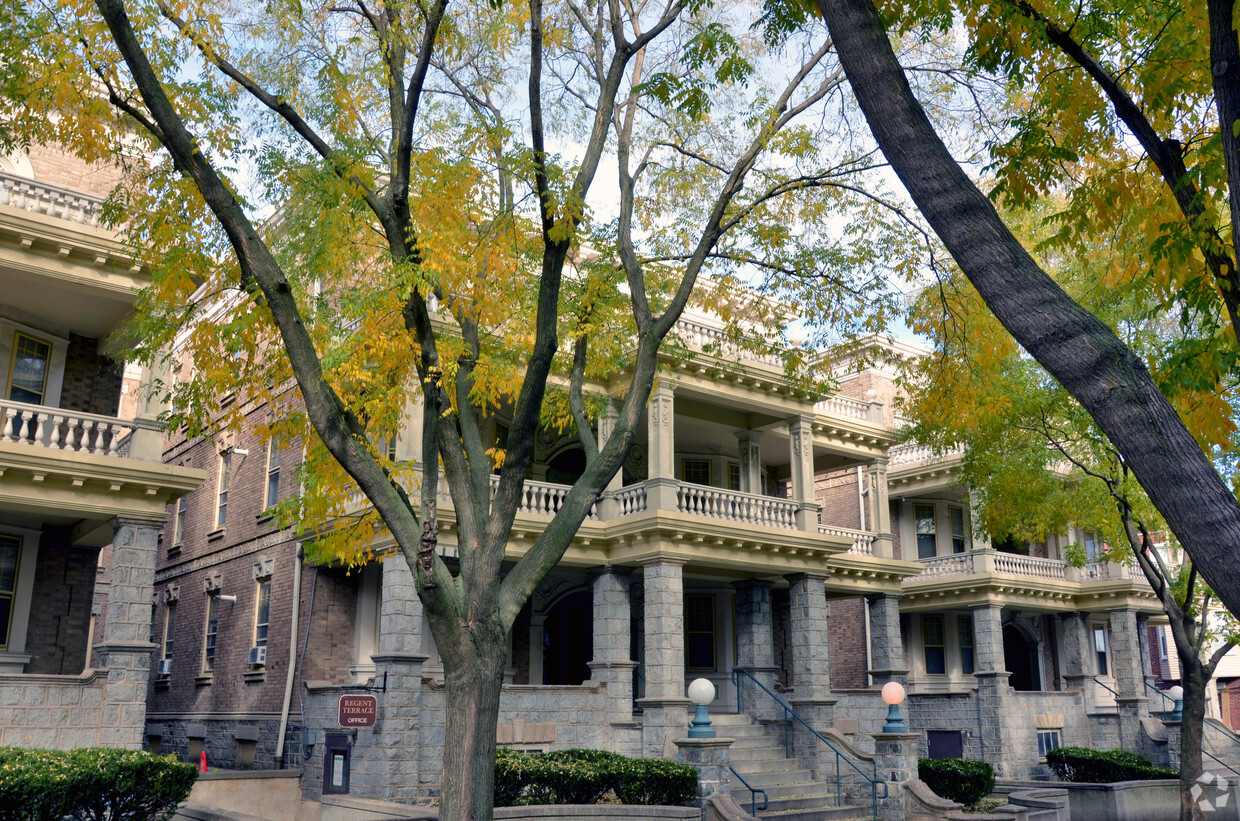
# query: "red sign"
358, 711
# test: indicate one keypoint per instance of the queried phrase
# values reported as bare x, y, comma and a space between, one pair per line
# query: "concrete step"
739, 757
845, 813
766, 780
765, 765
776, 792
756, 743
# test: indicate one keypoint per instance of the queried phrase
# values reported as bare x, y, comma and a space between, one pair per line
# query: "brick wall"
60, 613
92, 381
858, 386
846, 628
837, 493
52, 163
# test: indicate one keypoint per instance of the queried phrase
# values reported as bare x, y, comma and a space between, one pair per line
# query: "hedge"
957, 779
1084, 766
586, 776
91, 784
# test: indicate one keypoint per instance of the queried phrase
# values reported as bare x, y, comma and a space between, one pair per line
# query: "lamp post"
893, 696
701, 693
1176, 694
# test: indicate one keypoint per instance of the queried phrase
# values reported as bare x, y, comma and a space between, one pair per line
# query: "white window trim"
55, 360
225, 459
14, 659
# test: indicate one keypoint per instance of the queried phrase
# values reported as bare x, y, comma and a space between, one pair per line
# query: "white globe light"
893, 693
701, 691
1176, 693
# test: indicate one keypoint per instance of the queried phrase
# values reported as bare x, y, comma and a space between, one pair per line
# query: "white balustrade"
631, 499
734, 506
862, 542
957, 564
69, 430
912, 453
43, 198
696, 334
1012, 564
844, 406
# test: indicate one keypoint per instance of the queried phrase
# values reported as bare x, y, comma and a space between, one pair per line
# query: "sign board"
358, 711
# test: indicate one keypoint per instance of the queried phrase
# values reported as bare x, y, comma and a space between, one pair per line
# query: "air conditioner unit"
258, 656
164, 667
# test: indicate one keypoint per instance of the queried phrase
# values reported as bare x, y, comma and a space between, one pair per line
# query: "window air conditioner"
164, 668
258, 656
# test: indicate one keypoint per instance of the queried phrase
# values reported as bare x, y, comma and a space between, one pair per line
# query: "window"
28, 377
221, 499
700, 632
933, 645
1100, 649
734, 476
262, 612
170, 625
273, 473
957, 517
1047, 740
964, 626
208, 642
1091, 546
1162, 642
178, 524
927, 546
697, 471
10, 550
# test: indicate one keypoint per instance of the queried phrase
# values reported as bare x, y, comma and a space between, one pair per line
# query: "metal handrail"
753, 794
1105, 687
1204, 751
790, 713
1161, 693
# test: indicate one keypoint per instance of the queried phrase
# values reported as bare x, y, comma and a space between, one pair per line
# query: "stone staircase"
758, 755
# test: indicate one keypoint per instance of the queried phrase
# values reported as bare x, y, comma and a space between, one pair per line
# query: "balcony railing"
1006, 564
849, 408
734, 506
702, 336
912, 453
862, 542
69, 430
1108, 571
631, 499
1012, 564
540, 498
957, 564
43, 198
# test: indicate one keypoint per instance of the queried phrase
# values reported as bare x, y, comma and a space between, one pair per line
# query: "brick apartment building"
80, 484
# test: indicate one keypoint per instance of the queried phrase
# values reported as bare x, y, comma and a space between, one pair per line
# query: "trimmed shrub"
585, 776
91, 784
957, 779
1085, 766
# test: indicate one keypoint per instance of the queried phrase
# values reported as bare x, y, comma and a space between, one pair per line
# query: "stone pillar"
755, 645
611, 664
801, 455
710, 757
382, 757
665, 709
147, 440
886, 643
811, 669
993, 692
1147, 663
880, 509
895, 762
1077, 658
661, 482
126, 648
749, 448
1130, 703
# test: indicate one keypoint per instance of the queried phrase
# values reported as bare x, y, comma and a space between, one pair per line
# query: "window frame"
223, 482
959, 540
709, 599
941, 647
168, 644
734, 476
47, 367
261, 585
210, 633
964, 628
1101, 653
274, 463
178, 520
10, 596
933, 534
1048, 740
697, 463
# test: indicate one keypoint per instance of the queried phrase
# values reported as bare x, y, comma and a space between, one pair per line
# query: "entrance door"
1020, 655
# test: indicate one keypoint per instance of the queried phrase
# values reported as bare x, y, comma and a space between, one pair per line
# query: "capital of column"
794, 578
619, 571
137, 520
670, 561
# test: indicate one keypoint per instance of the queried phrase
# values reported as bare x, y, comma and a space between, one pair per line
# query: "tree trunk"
1192, 729
473, 681
1109, 381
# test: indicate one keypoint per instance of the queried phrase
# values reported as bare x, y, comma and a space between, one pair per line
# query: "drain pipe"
292, 660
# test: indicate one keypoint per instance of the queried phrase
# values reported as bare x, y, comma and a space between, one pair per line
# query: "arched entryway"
568, 639
566, 467
1020, 655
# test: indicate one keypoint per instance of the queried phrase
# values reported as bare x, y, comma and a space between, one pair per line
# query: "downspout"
292, 661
